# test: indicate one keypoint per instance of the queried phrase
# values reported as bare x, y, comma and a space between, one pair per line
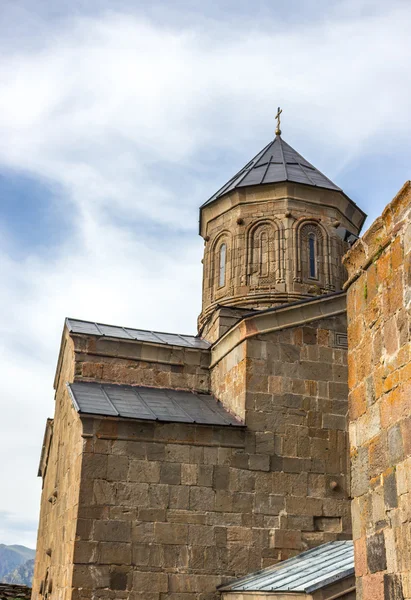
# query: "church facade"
176, 463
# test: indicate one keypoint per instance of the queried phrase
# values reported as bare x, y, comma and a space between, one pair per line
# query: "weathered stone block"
117, 468
202, 498
170, 533
112, 531
376, 555
150, 582
115, 553
395, 445
144, 471
120, 578
170, 473
393, 587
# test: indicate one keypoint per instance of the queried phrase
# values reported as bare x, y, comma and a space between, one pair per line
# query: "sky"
118, 119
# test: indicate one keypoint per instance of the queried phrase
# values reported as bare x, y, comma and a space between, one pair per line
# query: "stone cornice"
276, 319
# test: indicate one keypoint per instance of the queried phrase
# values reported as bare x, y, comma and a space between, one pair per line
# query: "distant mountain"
11, 557
23, 574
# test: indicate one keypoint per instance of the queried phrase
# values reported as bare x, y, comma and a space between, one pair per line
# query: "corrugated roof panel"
307, 572
141, 335
155, 404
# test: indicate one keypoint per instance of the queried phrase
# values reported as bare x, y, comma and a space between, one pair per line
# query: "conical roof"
277, 162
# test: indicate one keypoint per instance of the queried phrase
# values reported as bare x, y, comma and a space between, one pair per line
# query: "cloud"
131, 121
12, 527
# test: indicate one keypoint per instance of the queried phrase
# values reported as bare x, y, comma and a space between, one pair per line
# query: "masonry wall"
379, 302
291, 388
169, 511
165, 511
61, 464
140, 363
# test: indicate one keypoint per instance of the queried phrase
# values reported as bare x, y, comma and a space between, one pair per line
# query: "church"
176, 465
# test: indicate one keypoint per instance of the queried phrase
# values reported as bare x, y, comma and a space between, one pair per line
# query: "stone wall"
9, 591
154, 511
170, 511
140, 363
165, 511
290, 386
379, 302
60, 468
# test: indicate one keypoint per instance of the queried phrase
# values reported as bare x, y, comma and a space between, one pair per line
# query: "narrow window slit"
223, 253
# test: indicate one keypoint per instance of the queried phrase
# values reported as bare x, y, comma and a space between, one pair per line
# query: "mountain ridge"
12, 557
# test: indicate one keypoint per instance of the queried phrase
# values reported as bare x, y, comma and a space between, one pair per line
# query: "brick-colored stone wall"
61, 485
379, 301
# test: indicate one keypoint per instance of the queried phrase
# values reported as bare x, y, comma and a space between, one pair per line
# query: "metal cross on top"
277, 116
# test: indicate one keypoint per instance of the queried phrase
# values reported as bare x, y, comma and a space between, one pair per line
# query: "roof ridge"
282, 155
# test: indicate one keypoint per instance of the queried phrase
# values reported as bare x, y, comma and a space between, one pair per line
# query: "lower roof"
151, 404
307, 572
140, 335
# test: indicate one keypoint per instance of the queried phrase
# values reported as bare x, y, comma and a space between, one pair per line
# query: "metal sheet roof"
306, 572
277, 162
141, 335
152, 404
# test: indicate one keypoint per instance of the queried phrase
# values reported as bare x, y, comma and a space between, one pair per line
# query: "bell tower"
271, 237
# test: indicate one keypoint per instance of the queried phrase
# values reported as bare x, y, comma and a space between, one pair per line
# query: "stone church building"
174, 463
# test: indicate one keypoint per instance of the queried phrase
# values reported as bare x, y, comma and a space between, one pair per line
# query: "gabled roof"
277, 162
149, 404
140, 335
307, 572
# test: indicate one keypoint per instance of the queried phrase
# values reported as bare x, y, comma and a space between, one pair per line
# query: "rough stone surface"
379, 303
9, 591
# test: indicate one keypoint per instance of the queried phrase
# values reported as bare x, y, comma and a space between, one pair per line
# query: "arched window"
312, 255
222, 264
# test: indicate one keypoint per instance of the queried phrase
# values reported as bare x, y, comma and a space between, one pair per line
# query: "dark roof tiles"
141, 335
152, 404
277, 162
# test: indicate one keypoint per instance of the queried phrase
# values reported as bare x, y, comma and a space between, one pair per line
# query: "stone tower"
271, 236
